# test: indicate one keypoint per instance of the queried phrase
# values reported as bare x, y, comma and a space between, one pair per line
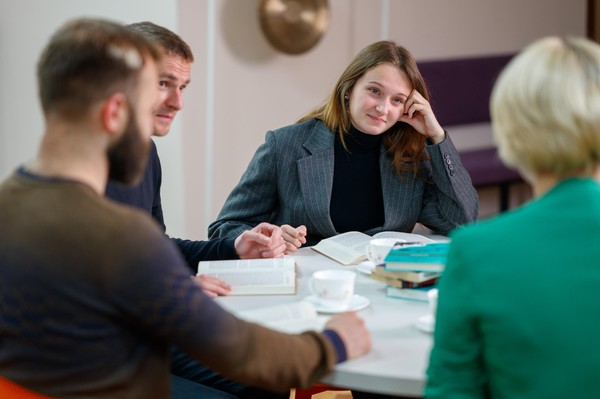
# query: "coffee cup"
378, 248
332, 288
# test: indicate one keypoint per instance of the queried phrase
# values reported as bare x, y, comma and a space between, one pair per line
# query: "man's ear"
115, 113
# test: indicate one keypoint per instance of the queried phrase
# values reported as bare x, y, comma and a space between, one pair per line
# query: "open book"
293, 317
254, 276
351, 247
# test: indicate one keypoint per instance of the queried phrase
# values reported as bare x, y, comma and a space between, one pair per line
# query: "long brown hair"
404, 144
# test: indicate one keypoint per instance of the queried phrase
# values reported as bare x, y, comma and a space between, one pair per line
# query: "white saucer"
365, 267
426, 323
357, 302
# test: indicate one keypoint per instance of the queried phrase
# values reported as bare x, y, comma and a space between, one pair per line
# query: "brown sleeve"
260, 357
170, 305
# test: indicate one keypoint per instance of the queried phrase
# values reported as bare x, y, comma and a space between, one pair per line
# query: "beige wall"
241, 87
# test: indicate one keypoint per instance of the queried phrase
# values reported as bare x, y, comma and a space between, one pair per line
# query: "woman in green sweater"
518, 302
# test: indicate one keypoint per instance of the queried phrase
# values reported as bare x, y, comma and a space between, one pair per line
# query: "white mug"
333, 288
378, 248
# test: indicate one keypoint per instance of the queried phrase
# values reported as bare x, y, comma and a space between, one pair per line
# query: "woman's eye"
162, 83
398, 100
374, 90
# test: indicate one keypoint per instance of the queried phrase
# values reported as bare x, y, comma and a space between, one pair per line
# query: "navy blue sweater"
146, 196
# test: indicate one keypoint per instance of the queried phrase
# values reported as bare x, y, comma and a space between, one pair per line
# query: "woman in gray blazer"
373, 157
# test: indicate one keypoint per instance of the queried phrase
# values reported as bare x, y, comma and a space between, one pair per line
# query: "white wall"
241, 87
25, 27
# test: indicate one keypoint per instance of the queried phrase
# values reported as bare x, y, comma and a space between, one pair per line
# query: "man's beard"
128, 157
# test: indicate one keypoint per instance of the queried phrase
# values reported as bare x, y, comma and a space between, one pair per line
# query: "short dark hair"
87, 60
171, 43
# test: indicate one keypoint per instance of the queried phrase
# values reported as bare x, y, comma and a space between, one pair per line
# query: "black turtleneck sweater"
356, 198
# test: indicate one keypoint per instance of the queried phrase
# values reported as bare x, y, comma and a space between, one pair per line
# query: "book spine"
415, 267
400, 283
415, 259
409, 284
413, 294
415, 277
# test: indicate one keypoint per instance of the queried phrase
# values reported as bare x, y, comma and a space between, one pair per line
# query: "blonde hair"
404, 144
545, 108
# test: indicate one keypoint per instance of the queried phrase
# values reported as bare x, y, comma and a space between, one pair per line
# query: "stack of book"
404, 279
410, 272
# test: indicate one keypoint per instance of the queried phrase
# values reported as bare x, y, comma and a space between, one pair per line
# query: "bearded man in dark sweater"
93, 292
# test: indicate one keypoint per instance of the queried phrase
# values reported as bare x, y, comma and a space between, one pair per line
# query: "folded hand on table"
262, 241
294, 237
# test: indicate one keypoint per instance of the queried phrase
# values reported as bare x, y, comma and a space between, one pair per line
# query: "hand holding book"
212, 286
254, 276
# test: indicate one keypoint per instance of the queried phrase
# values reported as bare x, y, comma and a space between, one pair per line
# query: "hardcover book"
400, 283
413, 277
412, 294
424, 258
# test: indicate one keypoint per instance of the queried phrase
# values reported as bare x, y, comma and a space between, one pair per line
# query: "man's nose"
175, 100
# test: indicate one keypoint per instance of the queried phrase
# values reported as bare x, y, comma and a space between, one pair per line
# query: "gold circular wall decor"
293, 26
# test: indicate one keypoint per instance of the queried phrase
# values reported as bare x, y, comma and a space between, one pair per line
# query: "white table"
398, 360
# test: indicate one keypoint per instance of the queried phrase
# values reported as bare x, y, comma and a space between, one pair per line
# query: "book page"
346, 248
254, 276
354, 240
351, 247
405, 237
292, 317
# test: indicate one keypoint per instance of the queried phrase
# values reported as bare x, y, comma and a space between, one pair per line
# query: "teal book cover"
412, 294
438, 248
429, 257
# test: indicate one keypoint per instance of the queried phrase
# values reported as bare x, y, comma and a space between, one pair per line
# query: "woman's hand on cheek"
418, 114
